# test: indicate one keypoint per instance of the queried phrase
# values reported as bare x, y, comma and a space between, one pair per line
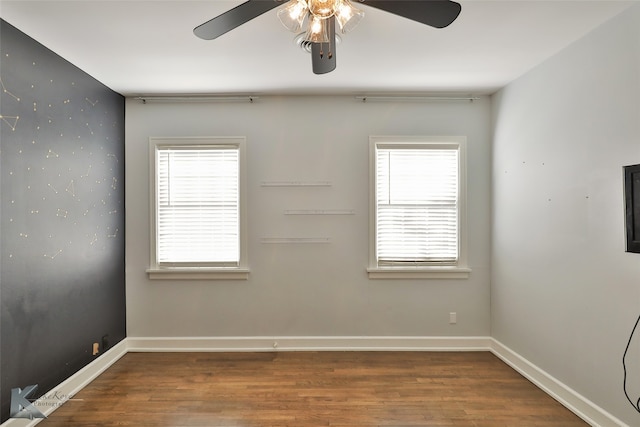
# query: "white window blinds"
198, 205
417, 204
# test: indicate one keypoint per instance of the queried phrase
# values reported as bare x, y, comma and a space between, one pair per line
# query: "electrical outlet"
96, 348
453, 318
105, 342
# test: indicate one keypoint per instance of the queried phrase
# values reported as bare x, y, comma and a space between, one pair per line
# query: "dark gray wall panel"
61, 216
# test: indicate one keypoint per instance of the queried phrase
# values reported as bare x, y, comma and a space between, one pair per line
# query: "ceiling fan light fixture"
317, 21
293, 14
348, 17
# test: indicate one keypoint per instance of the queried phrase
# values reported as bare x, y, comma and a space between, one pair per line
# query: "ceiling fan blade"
323, 55
233, 18
435, 13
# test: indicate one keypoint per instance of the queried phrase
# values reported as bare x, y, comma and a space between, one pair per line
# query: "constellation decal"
4, 90
54, 255
63, 191
12, 121
71, 189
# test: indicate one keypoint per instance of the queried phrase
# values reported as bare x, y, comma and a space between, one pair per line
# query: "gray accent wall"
565, 295
61, 218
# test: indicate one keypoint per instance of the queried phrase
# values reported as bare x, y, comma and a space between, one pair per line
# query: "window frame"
188, 271
455, 270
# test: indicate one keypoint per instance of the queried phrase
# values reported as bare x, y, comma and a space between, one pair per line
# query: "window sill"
198, 273
419, 272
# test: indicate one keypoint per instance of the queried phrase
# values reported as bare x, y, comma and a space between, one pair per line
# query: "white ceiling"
148, 48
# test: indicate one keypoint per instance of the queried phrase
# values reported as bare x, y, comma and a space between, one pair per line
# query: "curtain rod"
250, 98
391, 98
244, 98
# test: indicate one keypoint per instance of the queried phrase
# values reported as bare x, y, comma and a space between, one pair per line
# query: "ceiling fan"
321, 16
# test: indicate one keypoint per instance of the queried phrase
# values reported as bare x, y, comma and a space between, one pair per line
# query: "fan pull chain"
322, 51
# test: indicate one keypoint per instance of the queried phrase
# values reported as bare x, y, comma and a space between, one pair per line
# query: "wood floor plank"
312, 389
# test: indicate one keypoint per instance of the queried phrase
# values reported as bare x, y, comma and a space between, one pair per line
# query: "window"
417, 214
197, 226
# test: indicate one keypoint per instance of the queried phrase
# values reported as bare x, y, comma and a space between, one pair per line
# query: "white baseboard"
578, 404
72, 385
572, 400
229, 344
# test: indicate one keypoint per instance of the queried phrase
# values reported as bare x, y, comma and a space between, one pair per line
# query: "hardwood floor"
301, 389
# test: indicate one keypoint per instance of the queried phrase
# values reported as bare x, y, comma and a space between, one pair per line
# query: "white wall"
565, 295
307, 289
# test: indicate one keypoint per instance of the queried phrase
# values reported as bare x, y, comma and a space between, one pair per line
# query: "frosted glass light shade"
348, 17
293, 14
317, 31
